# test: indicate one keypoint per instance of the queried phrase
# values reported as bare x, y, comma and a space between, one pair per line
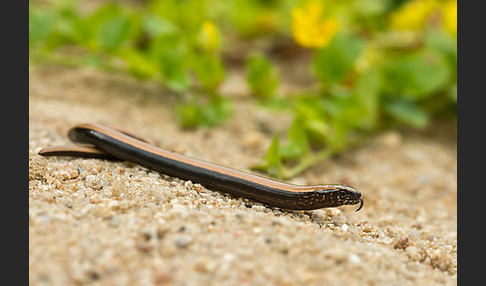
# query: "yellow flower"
449, 16
412, 15
309, 29
209, 37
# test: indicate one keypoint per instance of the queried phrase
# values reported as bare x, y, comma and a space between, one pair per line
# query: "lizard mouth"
354, 202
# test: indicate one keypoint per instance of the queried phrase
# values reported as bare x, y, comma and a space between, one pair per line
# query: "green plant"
366, 83
166, 41
261, 77
376, 64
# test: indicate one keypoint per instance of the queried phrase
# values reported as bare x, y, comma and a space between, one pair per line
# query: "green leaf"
311, 112
407, 112
333, 63
70, 26
197, 113
209, 69
88, 28
298, 143
112, 33
139, 64
41, 23
340, 128
219, 109
188, 115
440, 41
169, 53
453, 93
186, 15
346, 114
273, 161
367, 93
368, 8
417, 76
261, 76
317, 129
177, 79
156, 26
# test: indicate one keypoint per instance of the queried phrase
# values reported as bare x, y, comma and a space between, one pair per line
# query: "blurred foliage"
376, 63
261, 76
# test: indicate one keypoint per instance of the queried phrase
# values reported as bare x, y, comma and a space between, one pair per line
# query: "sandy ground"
100, 222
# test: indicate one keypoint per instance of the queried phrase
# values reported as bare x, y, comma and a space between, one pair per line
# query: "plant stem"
309, 161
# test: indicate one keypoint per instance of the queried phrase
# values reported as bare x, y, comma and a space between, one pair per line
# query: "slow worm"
106, 142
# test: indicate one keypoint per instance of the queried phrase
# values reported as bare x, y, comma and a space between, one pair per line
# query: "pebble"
413, 252
117, 188
94, 199
402, 242
332, 212
161, 277
144, 246
354, 258
440, 259
391, 139
93, 182
253, 140
385, 240
259, 208
114, 221
183, 241
345, 227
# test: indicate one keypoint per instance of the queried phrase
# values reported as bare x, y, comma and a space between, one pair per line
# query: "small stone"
93, 275
93, 182
354, 258
441, 260
117, 188
43, 218
48, 197
386, 240
161, 230
253, 140
114, 222
144, 246
413, 252
422, 178
94, 199
148, 233
402, 242
68, 203
332, 212
188, 185
183, 241
161, 277
228, 257
391, 139
367, 228
73, 174
259, 208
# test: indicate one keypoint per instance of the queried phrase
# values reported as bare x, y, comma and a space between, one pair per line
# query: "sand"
102, 222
